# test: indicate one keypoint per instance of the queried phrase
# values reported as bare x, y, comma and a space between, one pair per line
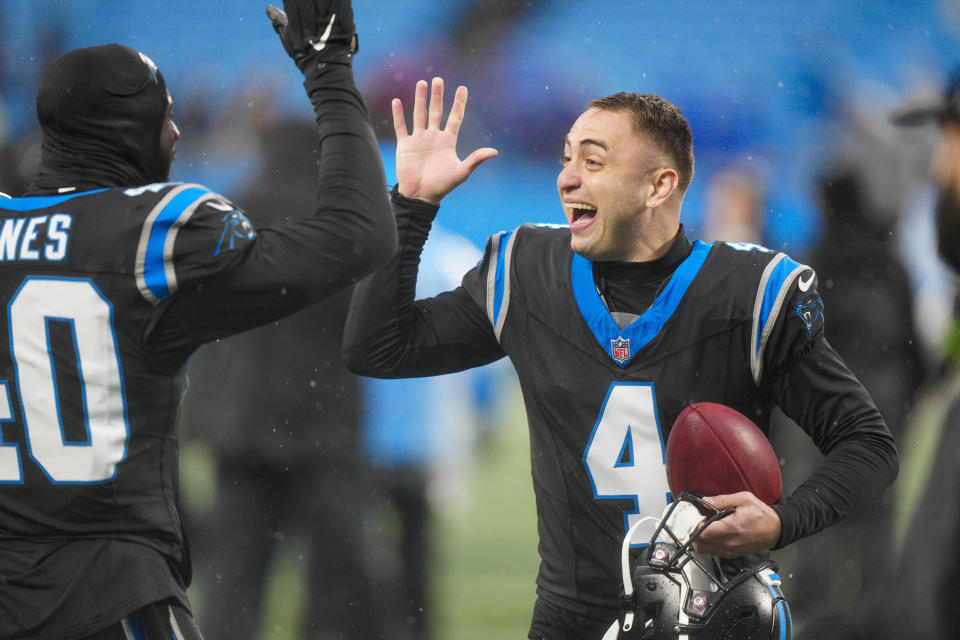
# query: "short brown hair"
661, 122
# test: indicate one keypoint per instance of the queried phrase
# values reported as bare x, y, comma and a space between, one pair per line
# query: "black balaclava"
102, 111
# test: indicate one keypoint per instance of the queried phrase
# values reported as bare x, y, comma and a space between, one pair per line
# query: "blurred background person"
924, 589
19, 159
421, 436
866, 288
917, 597
280, 416
736, 207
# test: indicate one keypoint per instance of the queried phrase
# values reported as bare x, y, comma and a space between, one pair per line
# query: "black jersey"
728, 324
108, 291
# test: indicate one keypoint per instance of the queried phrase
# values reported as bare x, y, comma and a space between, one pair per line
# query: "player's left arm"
861, 460
813, 386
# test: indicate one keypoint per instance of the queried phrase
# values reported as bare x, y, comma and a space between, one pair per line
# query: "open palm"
427, 164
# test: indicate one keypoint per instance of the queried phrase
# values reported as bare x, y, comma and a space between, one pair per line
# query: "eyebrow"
587, 141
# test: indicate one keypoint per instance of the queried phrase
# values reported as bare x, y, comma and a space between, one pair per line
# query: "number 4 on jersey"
625, 454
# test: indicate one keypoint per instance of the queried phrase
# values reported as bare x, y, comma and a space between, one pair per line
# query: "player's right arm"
388, 333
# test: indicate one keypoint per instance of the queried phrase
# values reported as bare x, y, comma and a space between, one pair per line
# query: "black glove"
316, 32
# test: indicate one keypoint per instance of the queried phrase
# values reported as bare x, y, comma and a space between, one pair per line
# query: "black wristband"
419, 208
335, 53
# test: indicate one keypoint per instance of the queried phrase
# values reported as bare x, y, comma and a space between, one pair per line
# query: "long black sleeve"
350, 233
389, 334
821, 395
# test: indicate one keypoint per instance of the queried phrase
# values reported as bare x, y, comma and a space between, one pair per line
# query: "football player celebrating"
614, 324
112, 277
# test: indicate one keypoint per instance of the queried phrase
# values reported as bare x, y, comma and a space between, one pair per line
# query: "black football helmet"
674, 592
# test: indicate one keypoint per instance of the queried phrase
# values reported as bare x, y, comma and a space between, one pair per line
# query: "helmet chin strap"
627, 580
683, 521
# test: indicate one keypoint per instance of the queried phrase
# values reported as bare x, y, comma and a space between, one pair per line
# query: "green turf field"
486, 555
486, 559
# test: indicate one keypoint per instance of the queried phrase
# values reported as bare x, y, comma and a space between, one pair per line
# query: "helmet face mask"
674, 592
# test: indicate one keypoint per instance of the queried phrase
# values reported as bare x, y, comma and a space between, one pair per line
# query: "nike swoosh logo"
805, 284
320, 44
220, 206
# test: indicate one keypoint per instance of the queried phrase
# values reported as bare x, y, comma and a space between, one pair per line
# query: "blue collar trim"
32, 203
622, 344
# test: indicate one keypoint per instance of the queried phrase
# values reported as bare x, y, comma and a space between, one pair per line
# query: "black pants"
158, 621
406, 491
551, 622
259, 509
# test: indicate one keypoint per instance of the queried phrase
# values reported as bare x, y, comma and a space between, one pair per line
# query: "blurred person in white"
735, 207
421, 436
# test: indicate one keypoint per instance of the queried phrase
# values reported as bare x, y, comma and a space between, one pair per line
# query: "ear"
662, 186
946, 161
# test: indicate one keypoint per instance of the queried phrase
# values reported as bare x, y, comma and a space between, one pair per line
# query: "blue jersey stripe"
645, 328
154, 272
32, 203
778, 278
499, 281
133, 622
785, 622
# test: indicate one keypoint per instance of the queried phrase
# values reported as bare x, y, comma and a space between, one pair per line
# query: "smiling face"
608, 183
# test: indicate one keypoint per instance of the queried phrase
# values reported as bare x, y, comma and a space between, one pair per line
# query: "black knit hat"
930, 108
102, 111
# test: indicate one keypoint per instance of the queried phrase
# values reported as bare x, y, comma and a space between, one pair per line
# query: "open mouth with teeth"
581, 214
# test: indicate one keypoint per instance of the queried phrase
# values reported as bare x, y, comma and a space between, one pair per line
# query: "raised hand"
752, 527
315, 31
427, 164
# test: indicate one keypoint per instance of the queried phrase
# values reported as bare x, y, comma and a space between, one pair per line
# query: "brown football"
714, 450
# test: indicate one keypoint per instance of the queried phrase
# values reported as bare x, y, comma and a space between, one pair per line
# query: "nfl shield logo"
620, 348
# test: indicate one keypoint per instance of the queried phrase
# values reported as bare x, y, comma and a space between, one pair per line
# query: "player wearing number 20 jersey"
728, 323
107, 293
110, 281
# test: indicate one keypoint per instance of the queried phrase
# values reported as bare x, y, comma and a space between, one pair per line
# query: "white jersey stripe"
492, 275
760, 334
174, 625
505, 304
145, 265
127, 631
